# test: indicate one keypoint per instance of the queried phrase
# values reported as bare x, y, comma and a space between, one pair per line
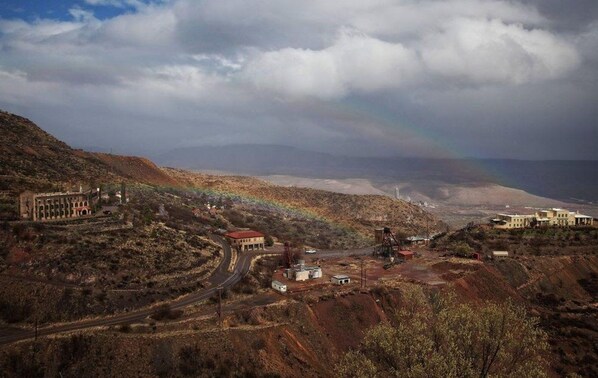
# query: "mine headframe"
287, 258
389, 246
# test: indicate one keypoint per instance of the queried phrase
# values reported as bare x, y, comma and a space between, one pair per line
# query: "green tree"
269, 241
437, 337
463, 249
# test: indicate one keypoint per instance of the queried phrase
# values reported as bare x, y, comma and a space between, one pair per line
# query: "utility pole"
220, 306
361, 283
427, 228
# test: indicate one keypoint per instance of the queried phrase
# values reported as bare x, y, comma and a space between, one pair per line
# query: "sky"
453, 78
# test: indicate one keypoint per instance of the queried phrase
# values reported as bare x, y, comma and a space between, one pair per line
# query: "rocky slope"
361, 213
31, 157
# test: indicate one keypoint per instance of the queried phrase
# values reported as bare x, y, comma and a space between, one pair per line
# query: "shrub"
190, 363
438, 337
164, 311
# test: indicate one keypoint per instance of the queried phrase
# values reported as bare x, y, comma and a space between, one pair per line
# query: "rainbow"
260, 202
382, 121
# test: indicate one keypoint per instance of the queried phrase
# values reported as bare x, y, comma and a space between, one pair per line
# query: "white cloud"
355, 62
152, 27
482, 51
467, 52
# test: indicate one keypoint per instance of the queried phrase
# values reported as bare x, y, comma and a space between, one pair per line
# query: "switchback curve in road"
220, 278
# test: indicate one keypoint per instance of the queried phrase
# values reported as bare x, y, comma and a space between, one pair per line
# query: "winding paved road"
221, 278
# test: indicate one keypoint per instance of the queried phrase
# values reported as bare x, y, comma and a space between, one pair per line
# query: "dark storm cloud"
424, 78
574, 15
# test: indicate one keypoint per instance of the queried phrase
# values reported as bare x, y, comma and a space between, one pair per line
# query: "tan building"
543, 218
508, 221
581, 220
246, 240
554, 217
48, 206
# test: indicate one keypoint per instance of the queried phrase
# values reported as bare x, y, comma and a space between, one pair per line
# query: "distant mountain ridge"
558, 179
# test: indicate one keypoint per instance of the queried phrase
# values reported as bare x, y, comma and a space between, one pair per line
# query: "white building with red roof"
246, 240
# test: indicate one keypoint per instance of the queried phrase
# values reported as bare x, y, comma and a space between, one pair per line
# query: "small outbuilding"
340, 280
279, 286
406, 255
499, 254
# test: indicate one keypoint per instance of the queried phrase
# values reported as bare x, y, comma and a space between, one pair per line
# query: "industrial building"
246, 240
301, 272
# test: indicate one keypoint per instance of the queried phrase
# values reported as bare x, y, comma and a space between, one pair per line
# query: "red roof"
406, 253
244, 234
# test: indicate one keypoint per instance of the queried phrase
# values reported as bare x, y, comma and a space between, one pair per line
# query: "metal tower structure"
389, 244
288, 255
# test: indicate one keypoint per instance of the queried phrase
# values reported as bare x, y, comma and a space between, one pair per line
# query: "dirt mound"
486, 283
355, 312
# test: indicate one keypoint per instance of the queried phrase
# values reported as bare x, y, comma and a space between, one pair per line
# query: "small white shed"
279, 286
499, 254
340, 280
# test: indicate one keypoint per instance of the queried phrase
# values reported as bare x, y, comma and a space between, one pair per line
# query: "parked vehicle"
310, 251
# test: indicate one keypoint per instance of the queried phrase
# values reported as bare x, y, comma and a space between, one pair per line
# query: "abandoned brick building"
60, 205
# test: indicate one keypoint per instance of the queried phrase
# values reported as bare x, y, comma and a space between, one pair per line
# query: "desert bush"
164, 311
259, 344
14, 312
463, 249
162, 359
20, 364
190, 363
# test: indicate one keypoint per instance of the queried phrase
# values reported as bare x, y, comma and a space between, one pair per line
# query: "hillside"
30, 157
135, 168
359, 212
